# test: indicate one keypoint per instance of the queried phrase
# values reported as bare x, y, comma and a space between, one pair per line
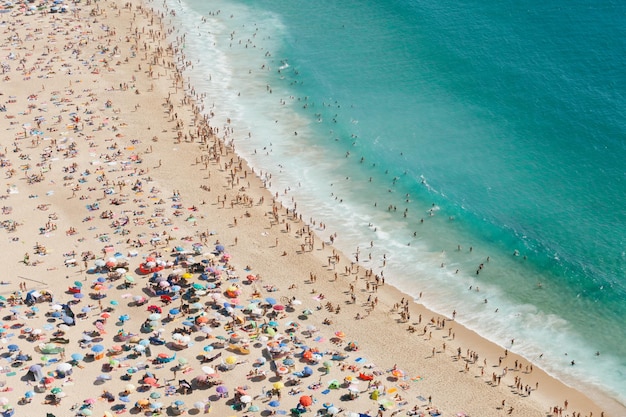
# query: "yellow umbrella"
231, 360
186, 275
278, 385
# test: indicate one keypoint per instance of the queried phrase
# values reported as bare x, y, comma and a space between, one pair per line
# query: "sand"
105, 155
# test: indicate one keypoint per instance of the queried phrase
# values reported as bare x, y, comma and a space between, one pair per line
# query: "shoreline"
260, 243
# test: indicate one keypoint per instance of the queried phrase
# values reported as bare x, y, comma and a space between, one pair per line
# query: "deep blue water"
501, 124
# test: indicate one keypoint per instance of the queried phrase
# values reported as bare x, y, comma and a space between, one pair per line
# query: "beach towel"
359, 360
326, 391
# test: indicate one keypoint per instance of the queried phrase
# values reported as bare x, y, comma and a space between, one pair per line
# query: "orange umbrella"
340, 334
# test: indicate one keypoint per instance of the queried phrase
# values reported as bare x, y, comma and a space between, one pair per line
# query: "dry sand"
115, 132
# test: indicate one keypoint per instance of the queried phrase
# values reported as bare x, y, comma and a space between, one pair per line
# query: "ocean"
479, 146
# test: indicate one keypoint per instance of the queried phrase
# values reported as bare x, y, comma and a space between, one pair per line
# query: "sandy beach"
148, 270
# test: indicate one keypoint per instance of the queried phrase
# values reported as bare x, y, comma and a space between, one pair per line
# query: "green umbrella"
78, 284
182, 361
56, 390
155, 395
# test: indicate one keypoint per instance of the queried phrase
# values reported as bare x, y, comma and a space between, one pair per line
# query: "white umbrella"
208, 370
64, 367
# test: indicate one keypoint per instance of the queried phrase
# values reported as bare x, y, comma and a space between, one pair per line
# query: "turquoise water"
501, 125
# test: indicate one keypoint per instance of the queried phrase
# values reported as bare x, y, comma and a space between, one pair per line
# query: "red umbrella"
150, 381
306, 400
278, 307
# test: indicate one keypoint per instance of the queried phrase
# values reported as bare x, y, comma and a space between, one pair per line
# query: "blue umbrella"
124, 317
273, 403
67, 319
220, 248
97, 348
124, 399
270, 300
144, 342
56, 314
101, 279
79, 295
174, 311
77, 356
179, 402
175, 288
187, 323
85, 309
208, 348
13, 348
29, 394
35, 368
307, 370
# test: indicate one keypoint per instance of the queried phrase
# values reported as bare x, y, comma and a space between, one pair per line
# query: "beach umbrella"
183, 361
288, 362
100, 280
253, 408
332, 411
178, 403
154, 317
104, 377
307, 370
100, 263
64, 367
278, 385
130, 388
114, 302
79, 295
206, 330
85, 412
150, 380
208, 348
130, 279
13, 348
29, 394
54, 391
278, 307
78, 284
97, 348
85, 310
155, 395
156, 406
270, 300
174, 311
208, 370
199, 405
274, 403
221, 389
230, 360
306, 400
